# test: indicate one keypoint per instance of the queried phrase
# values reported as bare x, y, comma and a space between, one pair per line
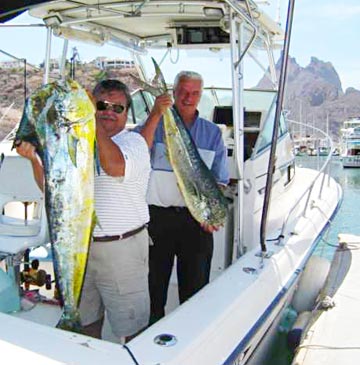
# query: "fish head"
55, 109
73, 105
213, 212
55, 105
31, 125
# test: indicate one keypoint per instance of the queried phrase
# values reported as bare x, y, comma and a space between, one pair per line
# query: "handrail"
7, 111
311, 186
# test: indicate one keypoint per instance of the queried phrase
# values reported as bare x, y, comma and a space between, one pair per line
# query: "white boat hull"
222, 324
351, 161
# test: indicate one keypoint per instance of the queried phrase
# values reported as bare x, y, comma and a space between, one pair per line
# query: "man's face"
187, 96
110, 117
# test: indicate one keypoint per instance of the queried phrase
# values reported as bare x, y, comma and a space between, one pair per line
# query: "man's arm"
111, 158
162, 102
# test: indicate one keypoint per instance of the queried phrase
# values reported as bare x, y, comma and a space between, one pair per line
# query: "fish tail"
70, 322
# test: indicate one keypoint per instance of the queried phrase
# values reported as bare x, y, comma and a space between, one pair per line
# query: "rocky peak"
325, 71
314, 95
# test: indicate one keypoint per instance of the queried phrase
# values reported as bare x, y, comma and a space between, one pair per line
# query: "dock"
333, 334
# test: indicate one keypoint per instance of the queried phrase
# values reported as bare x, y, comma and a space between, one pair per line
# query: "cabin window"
212, 97
141, 105
206, 105
267, 131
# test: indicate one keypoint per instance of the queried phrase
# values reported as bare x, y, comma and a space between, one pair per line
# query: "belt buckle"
121, 236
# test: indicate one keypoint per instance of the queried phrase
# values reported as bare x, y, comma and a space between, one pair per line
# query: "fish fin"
97, 159
158, 85
146, 86
95, 222
70, 322
2, 158
26, 129
72, 148
159, 77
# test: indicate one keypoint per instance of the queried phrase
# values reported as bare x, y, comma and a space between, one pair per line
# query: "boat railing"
323, 171
6, 112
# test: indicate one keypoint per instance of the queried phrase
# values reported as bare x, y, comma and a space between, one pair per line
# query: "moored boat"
279, 211
350, 143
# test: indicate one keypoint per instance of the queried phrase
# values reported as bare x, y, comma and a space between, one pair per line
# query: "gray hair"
192, 75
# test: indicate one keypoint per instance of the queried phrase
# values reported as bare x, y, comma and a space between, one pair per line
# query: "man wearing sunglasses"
173, 230
116, 280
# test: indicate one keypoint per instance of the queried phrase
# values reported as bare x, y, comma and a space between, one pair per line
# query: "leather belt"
171, 208
119, 236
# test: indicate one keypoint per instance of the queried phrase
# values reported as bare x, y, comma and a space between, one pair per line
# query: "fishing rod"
279, 103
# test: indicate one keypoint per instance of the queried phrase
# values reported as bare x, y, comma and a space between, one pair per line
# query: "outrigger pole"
279, 104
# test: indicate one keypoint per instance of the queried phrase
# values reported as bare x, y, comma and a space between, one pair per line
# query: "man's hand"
208, 228
162, 102
26, 149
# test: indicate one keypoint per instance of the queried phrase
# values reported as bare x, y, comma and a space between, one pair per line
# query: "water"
348, 217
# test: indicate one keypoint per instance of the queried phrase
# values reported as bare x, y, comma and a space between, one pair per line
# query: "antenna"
278, 17
75, 56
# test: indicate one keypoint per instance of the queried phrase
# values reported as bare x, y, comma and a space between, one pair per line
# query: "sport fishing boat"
350, 143
278, 212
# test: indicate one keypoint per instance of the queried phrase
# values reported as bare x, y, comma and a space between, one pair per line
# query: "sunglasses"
107, 105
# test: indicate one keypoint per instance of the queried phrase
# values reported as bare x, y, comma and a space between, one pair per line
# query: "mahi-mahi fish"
198, 186
59, 120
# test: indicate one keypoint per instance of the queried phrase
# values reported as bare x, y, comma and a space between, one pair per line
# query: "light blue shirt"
163, 189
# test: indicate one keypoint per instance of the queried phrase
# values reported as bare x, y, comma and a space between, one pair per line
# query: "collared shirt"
163, 189
120, 202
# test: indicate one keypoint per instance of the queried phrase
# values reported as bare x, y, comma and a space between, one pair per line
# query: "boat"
350, 142
278, 210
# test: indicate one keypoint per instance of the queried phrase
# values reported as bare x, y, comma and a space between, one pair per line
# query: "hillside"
313, 93
12, 88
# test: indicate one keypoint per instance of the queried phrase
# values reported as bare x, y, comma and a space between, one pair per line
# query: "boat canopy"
11, 9
157, 24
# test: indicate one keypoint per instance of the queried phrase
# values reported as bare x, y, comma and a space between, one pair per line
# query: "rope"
131, 354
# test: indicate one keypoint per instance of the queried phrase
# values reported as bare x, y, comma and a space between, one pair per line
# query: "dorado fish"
202, 195
59, 120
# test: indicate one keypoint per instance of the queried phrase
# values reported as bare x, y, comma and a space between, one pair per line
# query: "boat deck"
333, 337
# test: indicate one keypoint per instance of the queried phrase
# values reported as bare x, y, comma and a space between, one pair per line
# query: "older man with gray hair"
172, 228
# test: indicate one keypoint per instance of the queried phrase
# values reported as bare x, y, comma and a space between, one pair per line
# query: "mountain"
314, 95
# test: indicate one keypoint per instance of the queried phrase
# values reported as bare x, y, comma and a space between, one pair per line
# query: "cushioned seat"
23, 223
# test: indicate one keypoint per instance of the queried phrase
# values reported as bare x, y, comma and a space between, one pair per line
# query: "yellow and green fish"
59, 120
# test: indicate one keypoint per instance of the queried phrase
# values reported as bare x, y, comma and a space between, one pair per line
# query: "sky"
327, 30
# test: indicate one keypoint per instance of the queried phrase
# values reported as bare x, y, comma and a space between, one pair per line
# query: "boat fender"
287, 320
294, 335
311, 282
